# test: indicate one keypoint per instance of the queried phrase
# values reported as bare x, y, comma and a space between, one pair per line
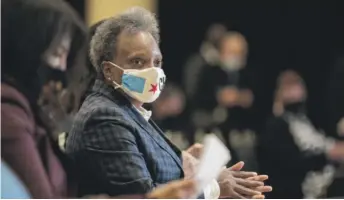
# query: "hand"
190, 165
237, 184
182, 189
337, 152
228, 96
246, 98
196, 150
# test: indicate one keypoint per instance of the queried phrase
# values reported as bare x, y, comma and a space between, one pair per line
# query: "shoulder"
101, 124
16, 114
101, 119
102, 108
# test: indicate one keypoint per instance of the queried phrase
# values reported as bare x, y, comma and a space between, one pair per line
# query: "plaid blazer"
116, 150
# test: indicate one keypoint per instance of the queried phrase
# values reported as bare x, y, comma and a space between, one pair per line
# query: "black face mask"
297, 107
46, 74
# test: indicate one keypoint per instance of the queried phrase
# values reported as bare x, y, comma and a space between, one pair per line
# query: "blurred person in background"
335, 100
208, 55
293, 152
334, 112
219, 98
117, 147
166, 112
48, 38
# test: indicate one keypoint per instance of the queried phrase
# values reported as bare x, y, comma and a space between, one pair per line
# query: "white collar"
146, 114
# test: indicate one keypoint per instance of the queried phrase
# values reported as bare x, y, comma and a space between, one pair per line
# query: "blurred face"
134, 51
57, 58
292, 89
233, 53
53, 77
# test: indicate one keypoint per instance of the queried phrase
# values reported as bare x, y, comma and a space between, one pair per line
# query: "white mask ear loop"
116, 84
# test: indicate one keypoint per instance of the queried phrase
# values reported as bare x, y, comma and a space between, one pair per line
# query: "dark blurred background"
303, 35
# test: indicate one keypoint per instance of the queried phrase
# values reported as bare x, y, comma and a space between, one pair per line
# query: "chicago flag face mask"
143, 85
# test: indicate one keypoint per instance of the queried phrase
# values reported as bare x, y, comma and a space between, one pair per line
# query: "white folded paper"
215, 156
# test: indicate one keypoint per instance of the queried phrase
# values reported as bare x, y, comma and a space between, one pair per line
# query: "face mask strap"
116, 84
113, 64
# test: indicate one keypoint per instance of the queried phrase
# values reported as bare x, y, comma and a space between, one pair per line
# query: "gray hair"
104, 41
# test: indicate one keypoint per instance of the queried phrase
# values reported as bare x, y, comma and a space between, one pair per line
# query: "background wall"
100, 9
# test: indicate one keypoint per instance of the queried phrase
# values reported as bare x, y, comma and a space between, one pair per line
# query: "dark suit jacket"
116, 150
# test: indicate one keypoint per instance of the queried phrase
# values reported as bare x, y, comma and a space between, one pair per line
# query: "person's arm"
112, 156
19, 150
280, 141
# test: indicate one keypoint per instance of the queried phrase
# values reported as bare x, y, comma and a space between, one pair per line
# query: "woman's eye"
157, 63
138, 62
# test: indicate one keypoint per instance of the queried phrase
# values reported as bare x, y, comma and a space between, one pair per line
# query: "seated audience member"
11, 186
37, 37
292, 151
118, 149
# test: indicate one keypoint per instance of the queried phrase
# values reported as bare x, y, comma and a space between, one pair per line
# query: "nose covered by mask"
143, 85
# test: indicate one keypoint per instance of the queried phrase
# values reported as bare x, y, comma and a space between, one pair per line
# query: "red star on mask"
154, 88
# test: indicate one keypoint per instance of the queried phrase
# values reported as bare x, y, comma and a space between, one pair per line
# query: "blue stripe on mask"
133, 83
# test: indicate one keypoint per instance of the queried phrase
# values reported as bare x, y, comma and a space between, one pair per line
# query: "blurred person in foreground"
219, 96
295, 154
118, 149
42, 41
11, 186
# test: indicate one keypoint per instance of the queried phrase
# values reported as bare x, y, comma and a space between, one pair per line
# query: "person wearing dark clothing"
334, 116
117, 147
196, 63
220, 99
294, 153
335, 101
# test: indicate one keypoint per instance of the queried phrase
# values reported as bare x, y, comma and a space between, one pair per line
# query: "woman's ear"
107, 71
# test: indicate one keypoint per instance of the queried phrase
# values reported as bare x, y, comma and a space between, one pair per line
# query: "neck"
136, 103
